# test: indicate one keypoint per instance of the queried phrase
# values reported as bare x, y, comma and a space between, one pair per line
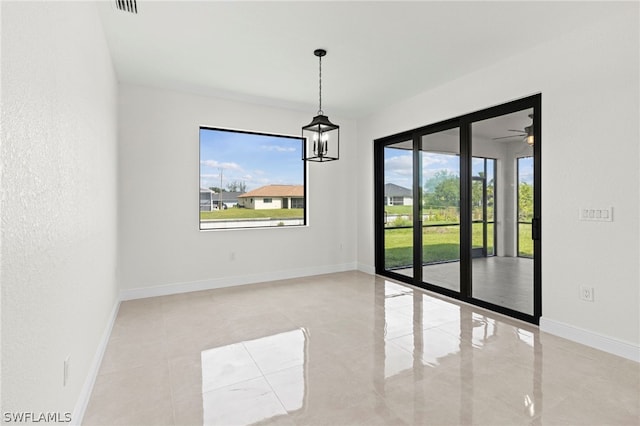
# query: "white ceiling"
502, 126
378, 52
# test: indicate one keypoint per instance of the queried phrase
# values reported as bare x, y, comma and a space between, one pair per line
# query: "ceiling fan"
527, 133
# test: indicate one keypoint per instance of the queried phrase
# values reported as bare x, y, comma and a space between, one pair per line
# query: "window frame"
272, 223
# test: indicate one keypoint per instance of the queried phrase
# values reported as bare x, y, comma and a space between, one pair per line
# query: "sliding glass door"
439, 156
506, 278
398, 235
458, 208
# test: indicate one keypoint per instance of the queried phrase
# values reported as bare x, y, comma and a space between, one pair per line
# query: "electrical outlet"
586, 293
65, 374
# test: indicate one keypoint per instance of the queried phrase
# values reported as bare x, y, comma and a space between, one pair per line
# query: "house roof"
393, 190
276, 191
230, 196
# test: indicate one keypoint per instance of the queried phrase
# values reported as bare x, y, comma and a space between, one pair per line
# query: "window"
483, 202
525, 206
397, 201
251, 180
297, 203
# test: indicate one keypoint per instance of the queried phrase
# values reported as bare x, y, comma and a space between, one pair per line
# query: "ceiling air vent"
127, 5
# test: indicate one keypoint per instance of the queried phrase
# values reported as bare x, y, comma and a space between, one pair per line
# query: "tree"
525, 202
437, 178
447, 193
442, 190
237, 186
476, 194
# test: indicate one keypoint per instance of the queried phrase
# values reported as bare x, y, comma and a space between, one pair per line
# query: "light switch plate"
603, 214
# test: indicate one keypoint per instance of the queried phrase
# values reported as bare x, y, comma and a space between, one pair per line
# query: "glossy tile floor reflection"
347, 349
504, 281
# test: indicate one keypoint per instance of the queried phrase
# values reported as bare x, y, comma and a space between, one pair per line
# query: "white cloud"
429, 159
277, 148
217, 164
426, 174
400, 165
399, 169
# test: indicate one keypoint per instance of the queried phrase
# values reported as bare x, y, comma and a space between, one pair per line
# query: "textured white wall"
159, 240
58, 200
590, 156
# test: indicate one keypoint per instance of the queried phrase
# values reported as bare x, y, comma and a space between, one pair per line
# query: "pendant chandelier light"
321, 136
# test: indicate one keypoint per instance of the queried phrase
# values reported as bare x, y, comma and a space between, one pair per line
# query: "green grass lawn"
525, 242
237, 213
441, 244
398, 209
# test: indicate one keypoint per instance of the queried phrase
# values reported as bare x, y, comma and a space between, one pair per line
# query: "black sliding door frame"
464, 124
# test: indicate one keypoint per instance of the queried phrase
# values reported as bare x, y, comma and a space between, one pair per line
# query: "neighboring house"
209, 199
273, 197
206, 200
229, 199
396, 195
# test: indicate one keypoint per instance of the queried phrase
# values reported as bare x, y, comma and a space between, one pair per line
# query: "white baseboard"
367, 269
589, 338
87, 388
185, 287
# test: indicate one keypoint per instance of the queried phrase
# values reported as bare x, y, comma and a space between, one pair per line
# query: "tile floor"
503, 281
347, 349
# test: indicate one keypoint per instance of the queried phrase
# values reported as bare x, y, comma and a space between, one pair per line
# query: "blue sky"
525, 169
256, 160
398, 165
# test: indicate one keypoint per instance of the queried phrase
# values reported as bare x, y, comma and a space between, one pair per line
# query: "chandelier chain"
320, 112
